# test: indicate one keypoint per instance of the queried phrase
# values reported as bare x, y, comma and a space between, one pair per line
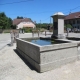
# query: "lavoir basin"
74, 39
48, 54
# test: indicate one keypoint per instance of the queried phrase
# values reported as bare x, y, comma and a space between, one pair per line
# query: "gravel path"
14, 67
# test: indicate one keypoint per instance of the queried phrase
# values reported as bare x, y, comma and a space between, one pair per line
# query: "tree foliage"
68, 26
5, 22
13, 26
19, 17
43, 25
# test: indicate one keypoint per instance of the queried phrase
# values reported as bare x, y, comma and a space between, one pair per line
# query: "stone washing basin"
47, 57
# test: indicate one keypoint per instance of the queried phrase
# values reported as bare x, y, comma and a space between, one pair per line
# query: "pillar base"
59, 36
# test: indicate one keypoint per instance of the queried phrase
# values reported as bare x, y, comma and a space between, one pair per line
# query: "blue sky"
38, 9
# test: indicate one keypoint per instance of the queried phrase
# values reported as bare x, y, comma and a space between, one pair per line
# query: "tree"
10, 22
42, 25
68, 26
5, 22
13, 26
18, 17
2, 14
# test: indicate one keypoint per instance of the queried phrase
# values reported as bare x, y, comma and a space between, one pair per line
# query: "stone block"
44, 58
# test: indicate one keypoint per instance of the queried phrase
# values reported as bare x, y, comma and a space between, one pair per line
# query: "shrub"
1, 27
27, 30
6, 31
13, 26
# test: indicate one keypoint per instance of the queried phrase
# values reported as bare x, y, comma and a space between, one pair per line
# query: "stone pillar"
58, 25
38, 33
32, 33
14, 35
45, 32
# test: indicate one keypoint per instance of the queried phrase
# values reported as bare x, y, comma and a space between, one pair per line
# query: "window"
73, 21
78, 27
77, 21
24, 22
28, 22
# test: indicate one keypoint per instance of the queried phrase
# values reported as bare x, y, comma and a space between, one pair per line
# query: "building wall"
74, 22
25, 24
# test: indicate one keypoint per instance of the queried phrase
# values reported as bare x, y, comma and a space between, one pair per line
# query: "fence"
7, 30
1, 31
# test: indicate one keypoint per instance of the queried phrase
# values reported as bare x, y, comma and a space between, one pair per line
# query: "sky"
38, 10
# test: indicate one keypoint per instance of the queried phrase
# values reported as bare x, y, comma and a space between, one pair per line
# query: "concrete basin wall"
44, 58
57, 57
29, 49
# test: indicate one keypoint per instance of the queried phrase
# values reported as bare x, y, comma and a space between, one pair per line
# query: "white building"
21, 23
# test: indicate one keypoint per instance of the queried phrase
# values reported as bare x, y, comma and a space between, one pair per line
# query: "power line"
46, 19
16, 2
72, 9
35, 12
65, 12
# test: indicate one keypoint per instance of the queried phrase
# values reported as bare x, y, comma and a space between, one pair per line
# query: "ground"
14, 67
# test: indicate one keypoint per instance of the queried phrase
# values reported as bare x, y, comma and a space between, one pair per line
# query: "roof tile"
73, 15
17, 21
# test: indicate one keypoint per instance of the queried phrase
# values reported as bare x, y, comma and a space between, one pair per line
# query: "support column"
58, 25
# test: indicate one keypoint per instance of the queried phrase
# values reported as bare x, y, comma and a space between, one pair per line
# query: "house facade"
24, 23
73, 19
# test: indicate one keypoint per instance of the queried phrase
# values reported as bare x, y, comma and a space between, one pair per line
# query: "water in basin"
44, 42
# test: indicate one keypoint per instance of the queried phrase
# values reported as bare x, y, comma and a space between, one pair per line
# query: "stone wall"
44, 58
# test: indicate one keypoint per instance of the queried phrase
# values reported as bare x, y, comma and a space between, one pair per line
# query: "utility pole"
50, 20
70, 11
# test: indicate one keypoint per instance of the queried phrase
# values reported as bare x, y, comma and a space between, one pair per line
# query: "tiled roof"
17, 21
73, 15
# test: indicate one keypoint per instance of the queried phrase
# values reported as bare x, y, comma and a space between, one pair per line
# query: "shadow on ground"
25, 61
9, 45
